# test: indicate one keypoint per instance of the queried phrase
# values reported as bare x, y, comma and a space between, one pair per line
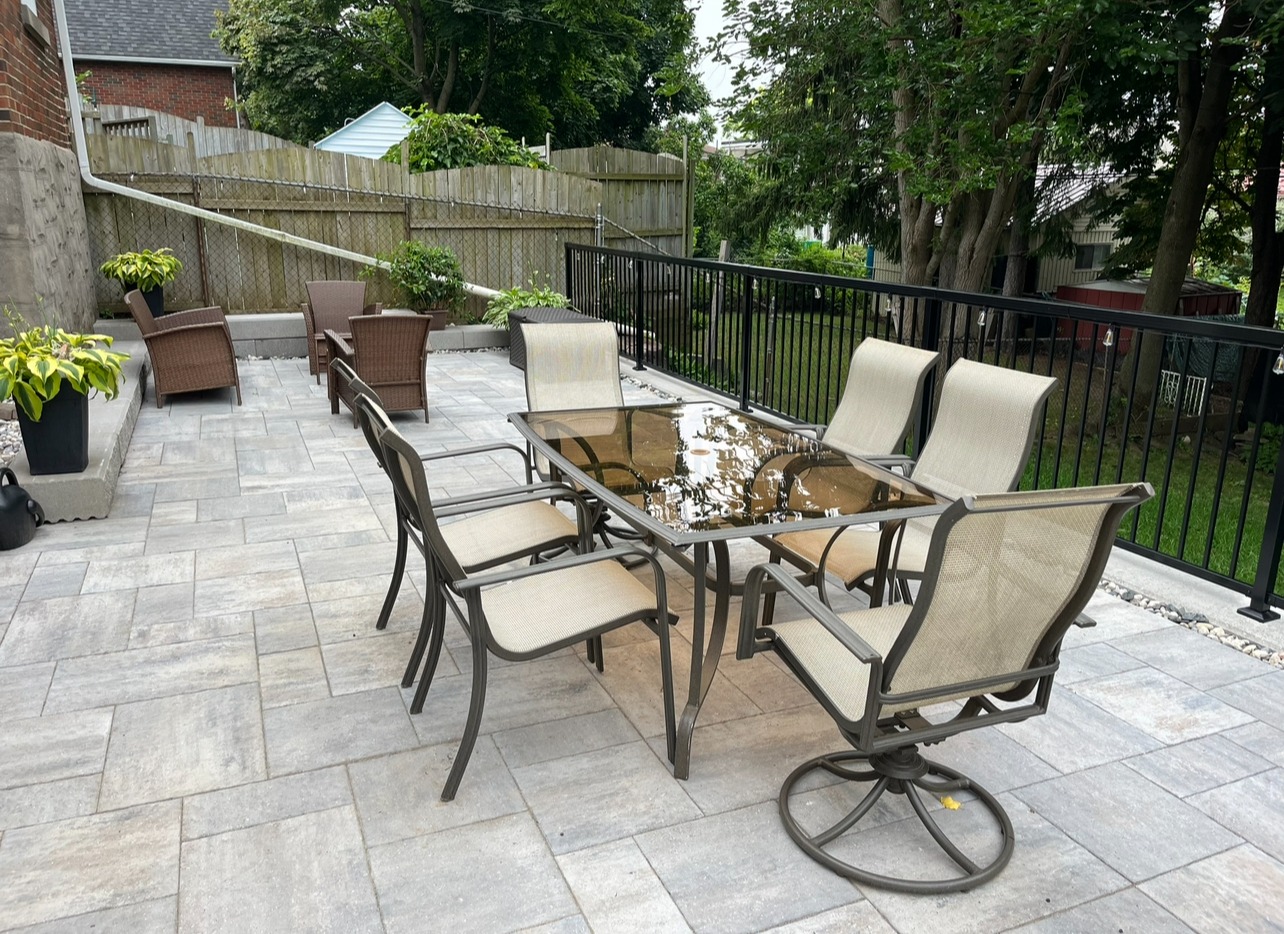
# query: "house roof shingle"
155, 30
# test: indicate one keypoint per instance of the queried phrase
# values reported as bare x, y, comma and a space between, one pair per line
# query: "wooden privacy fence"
506, 224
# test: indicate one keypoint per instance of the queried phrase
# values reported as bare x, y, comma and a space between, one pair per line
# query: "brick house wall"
32, 98
187, 91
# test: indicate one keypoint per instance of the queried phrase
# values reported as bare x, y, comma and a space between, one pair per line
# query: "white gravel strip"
10, 441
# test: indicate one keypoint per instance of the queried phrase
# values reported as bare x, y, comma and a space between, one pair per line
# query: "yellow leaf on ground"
950, 803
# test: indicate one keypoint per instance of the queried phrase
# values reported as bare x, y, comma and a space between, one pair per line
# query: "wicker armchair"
190, 350
388, 352
329, 306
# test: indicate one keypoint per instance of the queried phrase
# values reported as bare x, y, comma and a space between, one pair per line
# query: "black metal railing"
1192, 405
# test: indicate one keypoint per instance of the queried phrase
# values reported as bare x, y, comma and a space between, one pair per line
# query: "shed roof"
172, 31
371, 135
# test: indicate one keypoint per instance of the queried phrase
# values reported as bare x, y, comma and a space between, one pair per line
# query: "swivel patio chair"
883, 393
1006, 575
494, 526
980, 442
329, 306
523, 613
190, 351
390, 354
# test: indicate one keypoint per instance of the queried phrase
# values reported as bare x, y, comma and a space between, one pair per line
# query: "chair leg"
475, 706
600, 657
434, 653
666, 685
428, 622
394, 585
769, 599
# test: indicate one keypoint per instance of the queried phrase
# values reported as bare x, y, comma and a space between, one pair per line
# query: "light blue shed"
369, 135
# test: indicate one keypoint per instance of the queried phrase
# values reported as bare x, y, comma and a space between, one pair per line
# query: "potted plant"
509, 300
49, 373
149, 271
429, 277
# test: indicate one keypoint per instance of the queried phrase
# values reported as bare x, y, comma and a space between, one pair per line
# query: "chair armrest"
180, 319
804, 428
338, 347
891, 460
783, 581
191, 339
376, 308
531, 570
486, 499
483, 449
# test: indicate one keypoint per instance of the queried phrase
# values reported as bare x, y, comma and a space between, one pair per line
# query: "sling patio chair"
390, 354
493, 527
524, 613
190, 351
883, 393
984, 430
330, 304
1005, 576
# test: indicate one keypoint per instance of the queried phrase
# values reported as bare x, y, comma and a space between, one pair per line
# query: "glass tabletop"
704, 468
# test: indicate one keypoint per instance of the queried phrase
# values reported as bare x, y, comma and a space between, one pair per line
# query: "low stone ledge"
88, 495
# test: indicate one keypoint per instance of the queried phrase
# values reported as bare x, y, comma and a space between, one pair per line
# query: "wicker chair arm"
174, 346
339, 348
375, 308
181, 319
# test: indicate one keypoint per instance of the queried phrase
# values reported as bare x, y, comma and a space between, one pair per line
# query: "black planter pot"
59, 442
155, 301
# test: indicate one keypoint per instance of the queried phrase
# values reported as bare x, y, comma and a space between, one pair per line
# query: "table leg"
704, 657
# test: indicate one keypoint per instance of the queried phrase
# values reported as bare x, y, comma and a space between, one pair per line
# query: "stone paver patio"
200, 730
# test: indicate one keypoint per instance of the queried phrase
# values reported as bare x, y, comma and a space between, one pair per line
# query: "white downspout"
87, 176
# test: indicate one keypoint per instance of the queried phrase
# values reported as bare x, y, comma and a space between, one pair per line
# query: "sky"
717, 78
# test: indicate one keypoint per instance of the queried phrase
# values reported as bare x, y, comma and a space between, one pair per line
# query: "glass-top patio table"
697, 475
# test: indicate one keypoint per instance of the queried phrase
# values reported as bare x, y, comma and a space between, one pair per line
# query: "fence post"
931, 339
746, 342
637, 317
570, 292
202, 259
1268, 559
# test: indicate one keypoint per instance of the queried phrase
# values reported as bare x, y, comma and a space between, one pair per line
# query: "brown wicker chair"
388, 352
329, 306
190, 350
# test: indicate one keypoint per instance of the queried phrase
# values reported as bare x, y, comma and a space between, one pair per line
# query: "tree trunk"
1267, 239
448, 83
918, 216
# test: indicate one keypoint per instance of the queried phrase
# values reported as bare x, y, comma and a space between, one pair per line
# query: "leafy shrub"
36, 362
455, 141
508, 300
144, 270
430, 277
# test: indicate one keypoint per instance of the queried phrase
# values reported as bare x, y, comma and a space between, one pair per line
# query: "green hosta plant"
536, 296
144, 270
36, 363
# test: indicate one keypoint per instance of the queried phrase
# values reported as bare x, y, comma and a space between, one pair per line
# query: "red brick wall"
183, 90
32, 97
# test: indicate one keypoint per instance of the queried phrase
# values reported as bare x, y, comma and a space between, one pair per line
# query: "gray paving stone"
304, 524
23, 689
494, 876
379, 661
556, 739
1231, 892
305, 873
236, 560
48, 801
179, 512
1128, 910
1252, 807
618, 891
342, 564
90, 863
859, 916
249, 592
1075, 734
337, 729
122, 549
1049, 873
1192, 657
145, 634
1168, 709
45, 749
574, 924
65, 627
250, 506
263, 802
342, 540
56, 580
159, 916
292, 677
16, 567
223, 483
1093, 661
1259, 738
175, 746
769, 686
140, 674
1262, 697
165, 603
1129, 822
279, 629
399, 796
106, 574
1198, 765
738, 871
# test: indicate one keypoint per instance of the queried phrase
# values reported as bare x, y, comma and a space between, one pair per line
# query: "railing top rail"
1247, 335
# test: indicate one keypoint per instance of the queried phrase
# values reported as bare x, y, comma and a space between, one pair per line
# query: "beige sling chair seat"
980, 442
1005, 576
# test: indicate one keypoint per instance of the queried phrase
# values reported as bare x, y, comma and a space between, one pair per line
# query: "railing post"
570, 290
931, 339
1268, 559
746, 342
637, 318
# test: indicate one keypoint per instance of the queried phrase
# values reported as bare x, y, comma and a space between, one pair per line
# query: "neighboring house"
1094, 241
156, 54
371, 135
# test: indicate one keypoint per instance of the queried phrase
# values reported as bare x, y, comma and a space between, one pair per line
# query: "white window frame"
31, 5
